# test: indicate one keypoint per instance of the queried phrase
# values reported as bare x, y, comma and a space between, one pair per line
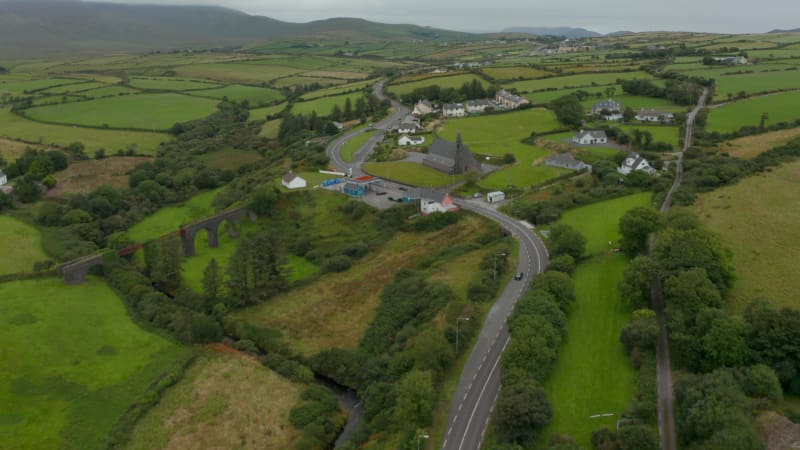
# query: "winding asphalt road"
479, 386
666, 415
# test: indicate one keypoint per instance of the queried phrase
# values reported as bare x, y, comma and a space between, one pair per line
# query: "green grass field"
237, 72
237, 92
169, 219
756, 82
108, 91
635, 102
21, 87
271, 129
779, 107
357, 86
71, 363
262, 113
13, 126
593, 79
146, 111
528, 170
593, 375
444, 82
74, 88
350, 147
22, 242
410, 173
544, 97
170, 84
599, 222
765, 206
324, 105
499, 134
510, 73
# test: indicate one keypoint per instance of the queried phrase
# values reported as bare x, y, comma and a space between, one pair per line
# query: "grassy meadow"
593, 374
767, 206
23, 245
13, 126
731, 117
660, 133
336, 308
455, 81
237, 93
224, 398
71, 363
262, 113
573, 81
350, 147
170, 84
169, 219
410, 173
145, 111
751, 146
324, 105
754, 83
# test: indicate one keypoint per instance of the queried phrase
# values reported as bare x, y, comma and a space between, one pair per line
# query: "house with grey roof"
508, 100
567, 161
652, 115
478, 106
423, 107
634, 162
452, 158
590, 137
609, 105
293, 181
454, 110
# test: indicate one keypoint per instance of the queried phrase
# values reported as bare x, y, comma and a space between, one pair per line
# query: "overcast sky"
724, 16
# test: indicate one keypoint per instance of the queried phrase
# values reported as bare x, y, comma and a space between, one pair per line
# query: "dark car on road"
403, 188
519, 275
380, 193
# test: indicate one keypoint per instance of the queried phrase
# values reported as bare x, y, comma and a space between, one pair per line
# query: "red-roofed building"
432, 202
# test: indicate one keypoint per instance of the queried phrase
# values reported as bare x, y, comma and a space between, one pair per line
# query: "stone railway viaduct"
75, 272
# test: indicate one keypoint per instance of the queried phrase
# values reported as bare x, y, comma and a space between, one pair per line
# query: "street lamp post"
419, 440
458, 320
494, 277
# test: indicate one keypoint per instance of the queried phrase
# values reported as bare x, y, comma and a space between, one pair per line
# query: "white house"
652, 115
477, 106
433, 202
409, 128
495, 197
454, 110
732, 60
293, 181
610, 106
339, 125
423, 107
406, 140
3, 178
590, 137
635, 162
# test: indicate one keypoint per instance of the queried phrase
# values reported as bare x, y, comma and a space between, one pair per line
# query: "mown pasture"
754, 83
143, 112
733, 116
593, 375
345, 88
72, 362
573, 81
512, 73
237, 72
170, 84
262, 113
224, 397
15, 127
410, 173
352, 146
455, 81
660, 133
757, 219
22, 243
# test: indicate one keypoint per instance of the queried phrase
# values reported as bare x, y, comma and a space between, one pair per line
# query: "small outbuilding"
566, 161
293, 181
495, 197
433, 202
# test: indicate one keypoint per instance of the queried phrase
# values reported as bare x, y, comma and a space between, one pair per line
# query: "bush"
338, 263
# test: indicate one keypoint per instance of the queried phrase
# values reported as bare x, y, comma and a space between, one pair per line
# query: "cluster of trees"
683, 90
486, 284
640, 139
737, 358
468, 91
34, 169
370, 105
318, 417
568, 110
537, 329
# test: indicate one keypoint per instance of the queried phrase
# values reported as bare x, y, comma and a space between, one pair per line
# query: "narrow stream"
350, 403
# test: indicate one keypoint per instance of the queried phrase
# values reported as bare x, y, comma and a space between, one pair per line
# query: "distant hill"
572, 33
54, 26
796, 30
620, 33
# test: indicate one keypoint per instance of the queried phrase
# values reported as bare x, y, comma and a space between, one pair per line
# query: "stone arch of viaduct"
75, 272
